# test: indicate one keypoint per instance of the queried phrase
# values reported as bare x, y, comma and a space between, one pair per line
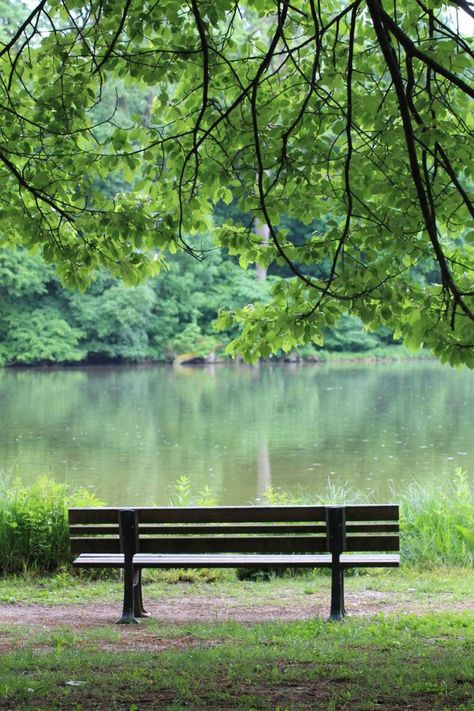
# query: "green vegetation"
447, 586
436, 526
409, 658
33, 524
42, 322
134, 132
403, 661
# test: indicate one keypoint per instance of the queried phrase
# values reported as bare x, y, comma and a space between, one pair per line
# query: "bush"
437, 524
34, 531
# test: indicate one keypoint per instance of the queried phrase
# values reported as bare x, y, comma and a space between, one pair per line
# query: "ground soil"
286, 606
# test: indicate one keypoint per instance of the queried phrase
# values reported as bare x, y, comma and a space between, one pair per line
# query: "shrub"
33, 523
437, 524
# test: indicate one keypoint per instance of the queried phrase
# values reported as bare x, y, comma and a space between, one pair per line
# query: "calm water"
131, 432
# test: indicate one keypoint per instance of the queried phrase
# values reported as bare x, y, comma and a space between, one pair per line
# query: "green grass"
393, 662
454, 584
401, 662
438, 524
33, 523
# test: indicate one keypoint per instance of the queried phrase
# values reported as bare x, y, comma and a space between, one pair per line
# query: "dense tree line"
172, 314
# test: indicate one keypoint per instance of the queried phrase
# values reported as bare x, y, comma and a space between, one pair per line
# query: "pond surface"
130, 432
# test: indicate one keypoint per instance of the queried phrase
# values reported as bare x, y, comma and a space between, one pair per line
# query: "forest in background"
42, 322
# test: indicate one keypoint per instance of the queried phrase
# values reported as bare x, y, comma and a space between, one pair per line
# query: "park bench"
251, 537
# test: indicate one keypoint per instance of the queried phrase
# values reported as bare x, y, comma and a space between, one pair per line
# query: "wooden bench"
254, 537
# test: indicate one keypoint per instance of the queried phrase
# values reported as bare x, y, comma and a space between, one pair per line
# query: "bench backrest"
240, 529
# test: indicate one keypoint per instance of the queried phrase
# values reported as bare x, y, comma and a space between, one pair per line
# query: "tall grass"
437, 524
33, 523
332, 494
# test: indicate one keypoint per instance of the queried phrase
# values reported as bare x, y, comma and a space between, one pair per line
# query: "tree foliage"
42, 322
353, 114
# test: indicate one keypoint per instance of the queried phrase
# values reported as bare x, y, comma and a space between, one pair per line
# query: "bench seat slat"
235, 561
261, 561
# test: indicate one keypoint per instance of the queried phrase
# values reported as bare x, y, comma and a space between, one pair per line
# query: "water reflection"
264, 470
132, 431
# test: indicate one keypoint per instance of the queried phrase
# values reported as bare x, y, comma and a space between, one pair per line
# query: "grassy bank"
437, 525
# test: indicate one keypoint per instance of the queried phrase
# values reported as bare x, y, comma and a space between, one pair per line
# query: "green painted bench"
251, 537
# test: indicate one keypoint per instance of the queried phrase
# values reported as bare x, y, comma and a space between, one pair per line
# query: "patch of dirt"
188, 609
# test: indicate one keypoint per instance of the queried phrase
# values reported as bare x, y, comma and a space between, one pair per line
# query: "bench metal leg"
128, 616
137, 596
128, 523
337, 593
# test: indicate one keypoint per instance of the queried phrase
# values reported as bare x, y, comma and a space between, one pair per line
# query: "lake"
131, 431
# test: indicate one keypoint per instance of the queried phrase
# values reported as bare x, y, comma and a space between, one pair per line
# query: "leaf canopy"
354, 114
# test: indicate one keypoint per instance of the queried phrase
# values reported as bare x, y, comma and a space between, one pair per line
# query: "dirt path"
287, 606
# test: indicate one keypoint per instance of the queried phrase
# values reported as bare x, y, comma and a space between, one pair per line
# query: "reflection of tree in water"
135, 430
264, 470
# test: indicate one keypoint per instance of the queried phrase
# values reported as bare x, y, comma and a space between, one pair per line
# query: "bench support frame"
133, 608
336, 536
132, 578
